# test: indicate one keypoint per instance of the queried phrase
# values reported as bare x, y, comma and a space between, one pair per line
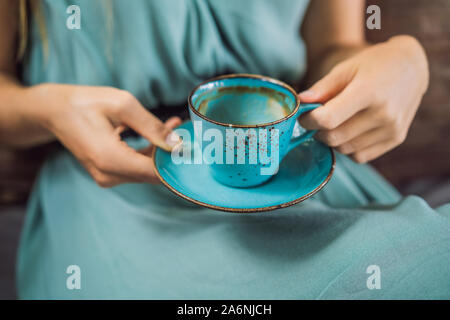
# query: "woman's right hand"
88, 121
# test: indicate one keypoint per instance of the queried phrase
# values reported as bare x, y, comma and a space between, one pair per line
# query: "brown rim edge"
245, 75
254, 210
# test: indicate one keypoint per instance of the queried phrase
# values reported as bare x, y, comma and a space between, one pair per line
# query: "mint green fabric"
141, 241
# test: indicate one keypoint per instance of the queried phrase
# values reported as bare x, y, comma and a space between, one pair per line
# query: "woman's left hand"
370, 100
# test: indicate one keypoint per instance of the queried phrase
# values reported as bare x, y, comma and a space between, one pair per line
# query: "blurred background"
420, 166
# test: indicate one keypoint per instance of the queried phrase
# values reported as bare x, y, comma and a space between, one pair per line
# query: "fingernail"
173, 140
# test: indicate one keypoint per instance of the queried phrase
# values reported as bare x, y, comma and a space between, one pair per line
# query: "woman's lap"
141, 241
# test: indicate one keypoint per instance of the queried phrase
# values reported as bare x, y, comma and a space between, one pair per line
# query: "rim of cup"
252, 76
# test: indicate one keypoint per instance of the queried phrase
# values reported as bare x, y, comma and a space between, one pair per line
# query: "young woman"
83, 86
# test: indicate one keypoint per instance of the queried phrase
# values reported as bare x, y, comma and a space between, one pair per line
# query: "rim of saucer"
245, 210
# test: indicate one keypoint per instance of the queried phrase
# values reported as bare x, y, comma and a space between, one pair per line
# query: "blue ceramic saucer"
303, 172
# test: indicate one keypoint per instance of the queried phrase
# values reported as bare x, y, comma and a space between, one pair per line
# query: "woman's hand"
89, 120
370, 100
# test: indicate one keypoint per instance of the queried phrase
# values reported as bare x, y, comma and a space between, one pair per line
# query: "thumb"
150, 127
171, 123
328, 87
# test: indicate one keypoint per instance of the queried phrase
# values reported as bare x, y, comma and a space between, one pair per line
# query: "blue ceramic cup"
243, 125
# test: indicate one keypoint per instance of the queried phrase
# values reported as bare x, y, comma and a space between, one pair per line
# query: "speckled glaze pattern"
305, 170
247, 168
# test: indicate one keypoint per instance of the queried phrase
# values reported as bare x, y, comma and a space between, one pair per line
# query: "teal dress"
356, 239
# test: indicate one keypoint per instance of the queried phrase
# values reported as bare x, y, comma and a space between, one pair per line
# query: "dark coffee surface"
245, 105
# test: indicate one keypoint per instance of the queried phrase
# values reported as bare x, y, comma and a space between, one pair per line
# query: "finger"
336, 111
116, 179
374, 151
120, 160
173, 122
356, 126
329, 86
149, 126
364, 141
388, 137
105, 180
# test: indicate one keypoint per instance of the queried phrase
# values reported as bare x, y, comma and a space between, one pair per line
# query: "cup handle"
304, 107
